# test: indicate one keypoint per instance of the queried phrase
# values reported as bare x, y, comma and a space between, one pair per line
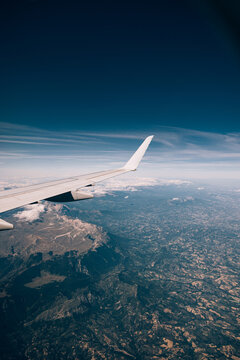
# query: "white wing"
65, 189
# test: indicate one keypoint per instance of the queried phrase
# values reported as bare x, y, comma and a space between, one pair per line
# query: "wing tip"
134, 161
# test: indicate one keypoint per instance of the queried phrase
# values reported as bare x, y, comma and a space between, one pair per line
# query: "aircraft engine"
4, 225
74, 195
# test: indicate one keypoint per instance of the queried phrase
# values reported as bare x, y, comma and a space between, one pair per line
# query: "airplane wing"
65, 189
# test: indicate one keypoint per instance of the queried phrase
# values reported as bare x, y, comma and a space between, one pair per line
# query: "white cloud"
173, 182
122, 184
175, 152
3, 185
128, 183
31, 212
187, 198
19, 182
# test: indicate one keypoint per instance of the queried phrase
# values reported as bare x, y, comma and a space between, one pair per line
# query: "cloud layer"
175, 152
122, 184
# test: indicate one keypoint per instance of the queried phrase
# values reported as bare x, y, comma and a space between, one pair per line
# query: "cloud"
181, 200
175, 152
122, 184
128, 183
31, 212
26, 135
173, 182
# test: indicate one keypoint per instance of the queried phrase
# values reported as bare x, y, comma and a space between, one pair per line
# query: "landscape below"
147, 274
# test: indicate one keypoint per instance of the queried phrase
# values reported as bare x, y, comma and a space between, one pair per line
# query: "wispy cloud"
181, 200
130, 184
122, 184
176, 149
30, 212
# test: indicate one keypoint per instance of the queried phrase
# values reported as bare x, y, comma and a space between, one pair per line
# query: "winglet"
134, 161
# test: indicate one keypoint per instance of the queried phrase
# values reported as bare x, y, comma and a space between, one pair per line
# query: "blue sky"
175, 152
83, 84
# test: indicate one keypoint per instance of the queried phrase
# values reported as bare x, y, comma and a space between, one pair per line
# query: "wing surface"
14, 198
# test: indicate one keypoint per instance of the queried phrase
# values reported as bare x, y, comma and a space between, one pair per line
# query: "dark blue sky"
82, 83
127, 66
